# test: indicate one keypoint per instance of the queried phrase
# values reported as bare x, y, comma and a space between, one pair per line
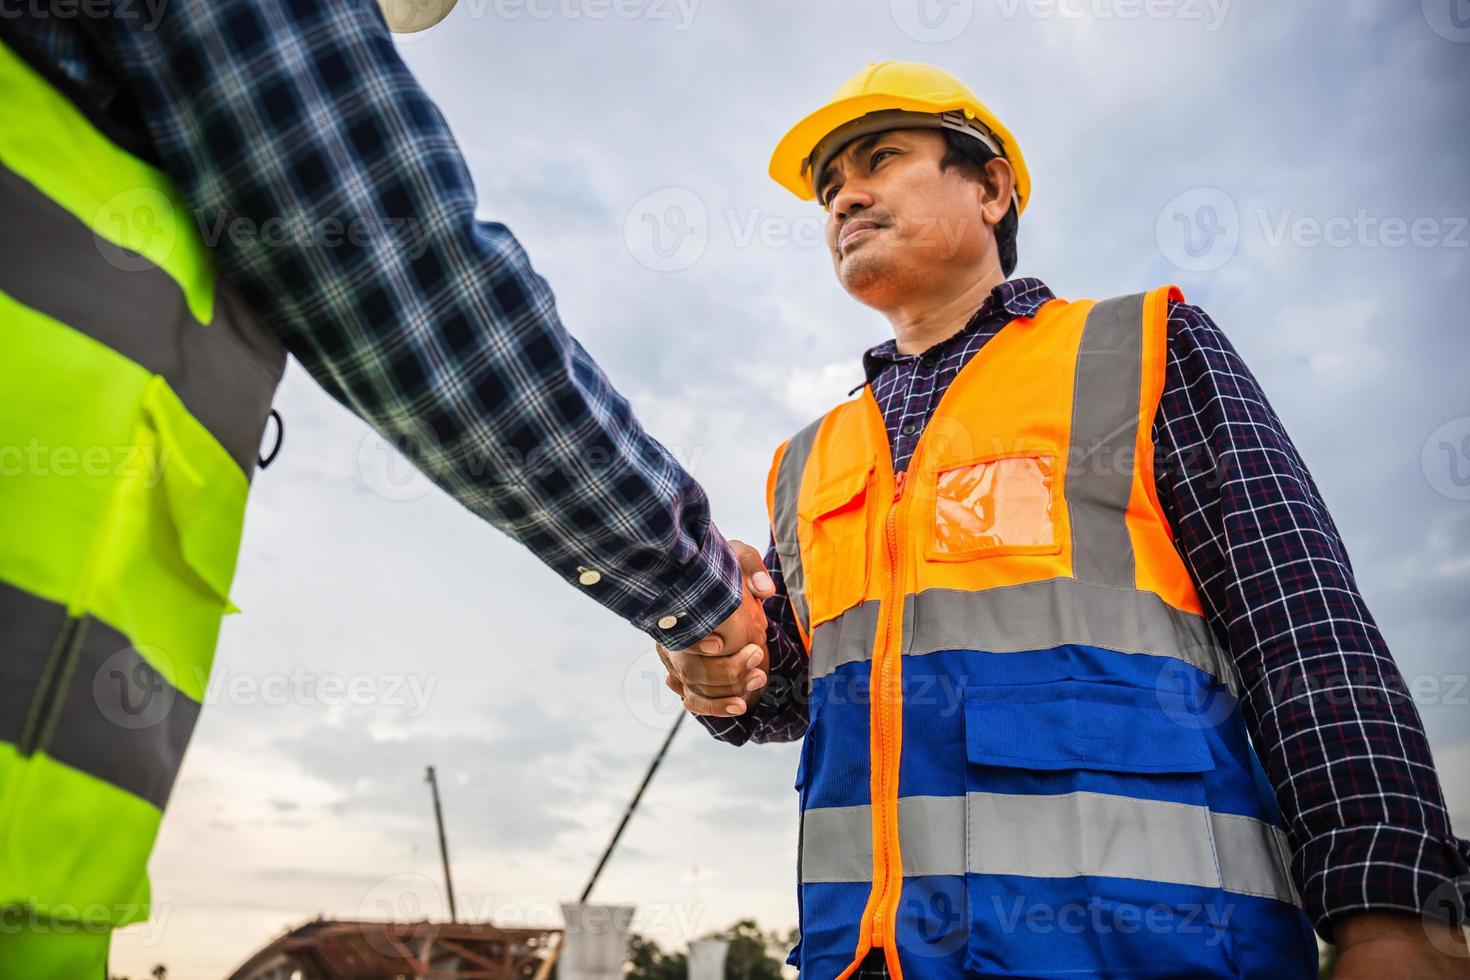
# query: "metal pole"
443, 844
627, 814
549, 963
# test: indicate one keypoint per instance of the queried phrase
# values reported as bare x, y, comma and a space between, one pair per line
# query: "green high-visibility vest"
134, 392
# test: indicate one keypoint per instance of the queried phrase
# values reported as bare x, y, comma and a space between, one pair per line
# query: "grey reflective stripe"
847, 639
837, 843
1030, 616
1061, 836
108, 713
927, 828
1235, 834
1106, 396
1093, 834
787, 493
225, 373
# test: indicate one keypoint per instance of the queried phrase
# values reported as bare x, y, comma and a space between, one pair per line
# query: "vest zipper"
885, 805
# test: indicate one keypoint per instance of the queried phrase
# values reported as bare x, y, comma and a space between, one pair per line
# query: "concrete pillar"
707, 959
595, 944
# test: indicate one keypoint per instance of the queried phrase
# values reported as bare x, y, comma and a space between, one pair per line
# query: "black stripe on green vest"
93, 702
225, 372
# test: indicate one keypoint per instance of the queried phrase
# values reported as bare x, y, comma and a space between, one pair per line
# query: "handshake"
725, 673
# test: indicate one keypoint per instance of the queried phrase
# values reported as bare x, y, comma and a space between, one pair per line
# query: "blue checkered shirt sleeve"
274, 116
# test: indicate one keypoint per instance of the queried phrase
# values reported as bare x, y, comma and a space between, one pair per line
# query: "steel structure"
328, 949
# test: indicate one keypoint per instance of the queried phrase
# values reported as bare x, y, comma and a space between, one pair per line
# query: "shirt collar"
1016, 297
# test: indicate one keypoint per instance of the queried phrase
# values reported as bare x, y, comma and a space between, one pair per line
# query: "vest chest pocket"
997, 505
835, 527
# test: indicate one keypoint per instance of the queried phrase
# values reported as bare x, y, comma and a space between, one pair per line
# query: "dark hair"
972, 155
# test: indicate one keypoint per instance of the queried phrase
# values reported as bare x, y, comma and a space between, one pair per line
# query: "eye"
829, 192
878, 155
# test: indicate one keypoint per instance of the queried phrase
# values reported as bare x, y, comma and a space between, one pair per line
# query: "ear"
996, 190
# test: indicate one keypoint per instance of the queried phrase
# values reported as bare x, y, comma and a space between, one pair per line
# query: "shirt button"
589, 576
668, 622
910, 429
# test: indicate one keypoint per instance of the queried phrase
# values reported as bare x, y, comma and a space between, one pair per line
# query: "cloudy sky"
1299, 170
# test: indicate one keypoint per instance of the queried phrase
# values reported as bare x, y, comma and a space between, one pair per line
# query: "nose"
851, 199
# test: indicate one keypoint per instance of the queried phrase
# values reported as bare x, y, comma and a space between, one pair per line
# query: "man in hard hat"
1064, 620
138, 362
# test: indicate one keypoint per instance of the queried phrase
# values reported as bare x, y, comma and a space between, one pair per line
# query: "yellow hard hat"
890, 95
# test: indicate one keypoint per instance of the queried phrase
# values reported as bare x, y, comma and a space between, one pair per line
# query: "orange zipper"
885, 802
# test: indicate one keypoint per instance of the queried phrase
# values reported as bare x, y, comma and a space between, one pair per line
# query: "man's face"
897, 225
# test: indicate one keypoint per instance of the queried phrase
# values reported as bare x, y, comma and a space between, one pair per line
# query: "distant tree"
159, 972
753, 955
750, 952
646, 961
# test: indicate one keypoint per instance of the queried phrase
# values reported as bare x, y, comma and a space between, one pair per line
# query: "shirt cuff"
705, 591
780, 714
1381, 867
735, 730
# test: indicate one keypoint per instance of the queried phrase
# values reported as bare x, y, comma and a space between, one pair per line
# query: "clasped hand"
725, 672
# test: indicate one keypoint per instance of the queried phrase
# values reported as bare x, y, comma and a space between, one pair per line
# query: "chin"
872, 278
863, 269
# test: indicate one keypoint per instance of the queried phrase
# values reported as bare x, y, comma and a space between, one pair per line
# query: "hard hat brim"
792, 151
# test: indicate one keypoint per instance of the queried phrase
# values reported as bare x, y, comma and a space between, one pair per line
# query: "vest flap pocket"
204, 488
835, 493
1078, 725
833, 529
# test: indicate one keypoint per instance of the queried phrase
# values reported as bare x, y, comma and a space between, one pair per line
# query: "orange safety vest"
1024, 738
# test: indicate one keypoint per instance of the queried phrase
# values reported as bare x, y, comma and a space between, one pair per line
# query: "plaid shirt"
342, 210
1352, 774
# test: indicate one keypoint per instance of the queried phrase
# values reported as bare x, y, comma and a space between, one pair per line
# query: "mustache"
879, 219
